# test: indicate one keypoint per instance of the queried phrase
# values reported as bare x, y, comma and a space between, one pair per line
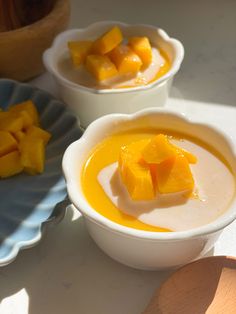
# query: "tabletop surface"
66, 272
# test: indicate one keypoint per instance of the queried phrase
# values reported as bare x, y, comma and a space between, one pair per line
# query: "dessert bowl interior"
78, 151
91, 103
158, 37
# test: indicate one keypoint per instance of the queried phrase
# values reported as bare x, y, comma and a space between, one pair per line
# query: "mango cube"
19, 135
10, 164
27, 106
136, 175
192, 159
22, 143
139, 182
10, 123
79, 51
158, 150
141, 46
32, 151
37, 132
100, 67
155, 164
108, 41
27, 119
125, 59
7, 143
174, 175
129, 154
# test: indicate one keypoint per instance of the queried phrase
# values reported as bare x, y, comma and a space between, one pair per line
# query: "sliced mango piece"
108, 41
129, 154
7, 143
32, 151
37, 132
27, 119
100, 67
139, 182
153, 171
142, 47
135, 174
19, 135
174, 175
158, 150
79, 51
10, 164
125, 59
10, 123
192, 159
24, 115
27, 106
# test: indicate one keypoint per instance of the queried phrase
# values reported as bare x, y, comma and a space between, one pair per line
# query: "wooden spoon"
204, 286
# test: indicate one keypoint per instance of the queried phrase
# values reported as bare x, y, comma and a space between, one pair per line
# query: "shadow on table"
68, 273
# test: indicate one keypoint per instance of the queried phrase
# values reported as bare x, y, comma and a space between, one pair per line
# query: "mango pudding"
157, 180
112, 61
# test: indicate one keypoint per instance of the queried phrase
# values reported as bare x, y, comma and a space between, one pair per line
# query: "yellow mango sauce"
106, 153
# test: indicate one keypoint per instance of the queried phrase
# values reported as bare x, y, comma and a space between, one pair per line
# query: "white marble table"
67, 272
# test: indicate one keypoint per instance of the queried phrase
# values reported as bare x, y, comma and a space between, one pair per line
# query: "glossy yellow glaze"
105, 153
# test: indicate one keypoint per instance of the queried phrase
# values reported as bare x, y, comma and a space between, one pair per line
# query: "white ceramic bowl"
89, 103
137, 248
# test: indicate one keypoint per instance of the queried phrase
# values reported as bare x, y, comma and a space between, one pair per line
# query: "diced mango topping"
22, 142
32, 154
125, 59
174, 175
158, 150
10, 164
79, 51
19, 135
7, 143
152, 165
142, 47
27, 106
139, 182
100, 67
10, 122
36, 132
190, 157
108, 41
130, 154
26, 117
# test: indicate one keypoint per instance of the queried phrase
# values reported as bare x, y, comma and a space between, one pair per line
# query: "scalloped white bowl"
137, 248
90, 103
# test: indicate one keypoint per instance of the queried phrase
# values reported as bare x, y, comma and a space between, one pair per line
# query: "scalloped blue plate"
29, 203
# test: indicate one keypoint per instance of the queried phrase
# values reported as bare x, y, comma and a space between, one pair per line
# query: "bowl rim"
176, 44
79, 201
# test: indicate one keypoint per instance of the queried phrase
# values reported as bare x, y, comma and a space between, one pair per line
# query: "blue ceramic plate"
29, 203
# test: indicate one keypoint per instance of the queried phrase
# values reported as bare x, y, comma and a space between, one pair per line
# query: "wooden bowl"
21, 49
207, 286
